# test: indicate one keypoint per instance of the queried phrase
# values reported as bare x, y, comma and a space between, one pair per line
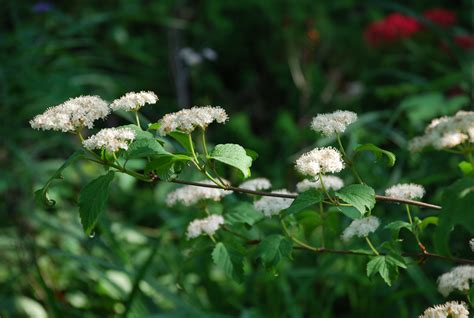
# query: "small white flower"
320, 161
209, 54
451, 309
361, 228
256, 184
72, 115
270, 206
208, 226
330, 183
111, 139
471, 244
446, 132
408, 191
187, 120
190, 195
333, 123
132, 101
458, 278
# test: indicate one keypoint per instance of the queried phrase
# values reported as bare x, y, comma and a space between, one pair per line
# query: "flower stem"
137, 118
203, 139
323, 230
348, 162
372, 247
297, 241
410, 219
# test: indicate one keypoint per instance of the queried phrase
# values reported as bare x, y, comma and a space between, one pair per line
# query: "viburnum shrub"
178, 142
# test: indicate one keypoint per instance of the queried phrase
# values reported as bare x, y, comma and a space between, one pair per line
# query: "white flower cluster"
132, 101
361, 228
330, 183
256, 184
333, 123
208, 226
190, 195
407, 191
451, 309
320, 161
458, 278
72, 115
187, 120
446, 132
111, 139
471, 244
270, 206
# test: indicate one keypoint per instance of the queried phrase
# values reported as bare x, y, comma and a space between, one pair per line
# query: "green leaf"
458, 200
304, 200
467, 168
167, 167
154, 126
396, 226
144, 145
349, 211
41, 195
183, 139
361, 196
251, 153
378, 152
273, 249
396, 260
379, 265
92, 200
233, 155
230, 263
427, 221
243, 213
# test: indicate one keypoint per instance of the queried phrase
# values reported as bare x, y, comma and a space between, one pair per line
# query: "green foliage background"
112, 47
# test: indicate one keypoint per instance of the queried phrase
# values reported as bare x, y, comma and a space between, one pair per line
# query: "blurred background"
272, 65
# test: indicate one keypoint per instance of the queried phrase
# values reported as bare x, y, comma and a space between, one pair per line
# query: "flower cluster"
72, 115
458, 278
361, 228
132, 101
446, 132
256, 184
320, 161
409, 191
333, 123
187, 120
111, 139
270, 206
190, 195
451, 309
330, 183
208, 226
393, 28
441, 17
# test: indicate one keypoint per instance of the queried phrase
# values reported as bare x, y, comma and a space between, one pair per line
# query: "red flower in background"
391, 29
465, 41
441, 17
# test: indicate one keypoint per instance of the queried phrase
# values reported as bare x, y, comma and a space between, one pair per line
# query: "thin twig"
293, 196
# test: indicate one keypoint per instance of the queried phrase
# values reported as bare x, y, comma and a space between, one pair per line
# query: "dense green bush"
278, 65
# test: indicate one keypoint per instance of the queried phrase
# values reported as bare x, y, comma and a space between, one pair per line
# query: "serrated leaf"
361, 196
41, 195
458, 200
92, 200
230, 263
144, 145
233, 155
273, 249
304, 200
243, 213
379, 265
349, 211
378, 152
396, 260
